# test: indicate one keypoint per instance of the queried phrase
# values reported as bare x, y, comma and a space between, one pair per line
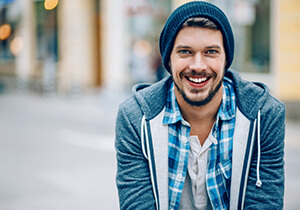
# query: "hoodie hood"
251, 96
152, 98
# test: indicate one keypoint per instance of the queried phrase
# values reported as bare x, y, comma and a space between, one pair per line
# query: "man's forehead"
199, 33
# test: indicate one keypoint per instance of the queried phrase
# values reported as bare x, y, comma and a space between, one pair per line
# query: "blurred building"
64, 46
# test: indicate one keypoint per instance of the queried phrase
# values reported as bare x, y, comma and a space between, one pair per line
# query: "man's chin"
196, 101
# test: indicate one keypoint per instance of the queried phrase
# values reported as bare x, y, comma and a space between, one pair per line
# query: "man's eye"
184, 52
211, 52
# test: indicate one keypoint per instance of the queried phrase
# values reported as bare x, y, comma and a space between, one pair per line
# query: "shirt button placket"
184, 139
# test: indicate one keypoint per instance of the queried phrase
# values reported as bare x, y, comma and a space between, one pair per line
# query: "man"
202, 138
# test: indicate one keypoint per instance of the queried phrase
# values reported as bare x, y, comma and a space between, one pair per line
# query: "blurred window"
46, 29
145, 19
251, 24
260, 38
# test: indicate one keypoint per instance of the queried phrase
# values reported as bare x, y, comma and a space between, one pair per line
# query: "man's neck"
201, 118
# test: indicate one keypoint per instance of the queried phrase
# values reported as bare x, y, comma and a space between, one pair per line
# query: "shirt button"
178, 177
184, 139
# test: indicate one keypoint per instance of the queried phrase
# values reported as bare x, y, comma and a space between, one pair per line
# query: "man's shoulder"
273, 107
129, 104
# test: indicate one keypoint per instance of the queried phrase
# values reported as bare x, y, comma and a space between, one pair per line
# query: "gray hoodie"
257, 180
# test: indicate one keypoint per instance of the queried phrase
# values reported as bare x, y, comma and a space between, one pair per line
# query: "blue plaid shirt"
218, 175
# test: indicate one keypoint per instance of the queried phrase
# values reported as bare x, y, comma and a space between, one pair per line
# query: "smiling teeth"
197, 80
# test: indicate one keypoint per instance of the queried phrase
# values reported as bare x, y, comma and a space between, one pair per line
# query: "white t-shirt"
194, 194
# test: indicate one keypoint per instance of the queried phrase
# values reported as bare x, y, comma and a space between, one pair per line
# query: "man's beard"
199, 103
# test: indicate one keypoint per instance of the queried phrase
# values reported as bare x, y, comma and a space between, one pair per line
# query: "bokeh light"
50, 4
16, 45
5, 31
142, 48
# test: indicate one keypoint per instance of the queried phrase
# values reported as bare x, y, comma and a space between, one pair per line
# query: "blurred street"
57, 153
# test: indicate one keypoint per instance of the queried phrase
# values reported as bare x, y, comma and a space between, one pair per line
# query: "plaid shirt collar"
172, 113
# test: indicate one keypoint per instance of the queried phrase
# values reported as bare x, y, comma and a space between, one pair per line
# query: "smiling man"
202, 138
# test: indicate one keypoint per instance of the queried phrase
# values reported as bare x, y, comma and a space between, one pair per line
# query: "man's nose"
198, 62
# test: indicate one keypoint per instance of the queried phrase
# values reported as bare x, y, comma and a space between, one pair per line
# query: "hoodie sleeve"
133, 176
271, 168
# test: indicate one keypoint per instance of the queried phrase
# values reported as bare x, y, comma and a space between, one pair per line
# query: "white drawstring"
258, 181
142, 136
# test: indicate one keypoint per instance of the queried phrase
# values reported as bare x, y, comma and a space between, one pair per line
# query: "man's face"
197, 64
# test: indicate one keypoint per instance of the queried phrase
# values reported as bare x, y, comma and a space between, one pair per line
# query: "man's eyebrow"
182, 47
188, 47
213, 46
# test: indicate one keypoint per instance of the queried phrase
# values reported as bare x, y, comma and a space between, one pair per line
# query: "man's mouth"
197, 80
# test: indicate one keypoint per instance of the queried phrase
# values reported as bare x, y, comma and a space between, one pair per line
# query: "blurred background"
65, 65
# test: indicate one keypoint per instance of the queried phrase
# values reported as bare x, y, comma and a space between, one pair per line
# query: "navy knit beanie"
189, 10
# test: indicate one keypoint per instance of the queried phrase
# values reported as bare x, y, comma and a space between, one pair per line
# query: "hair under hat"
189, 10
